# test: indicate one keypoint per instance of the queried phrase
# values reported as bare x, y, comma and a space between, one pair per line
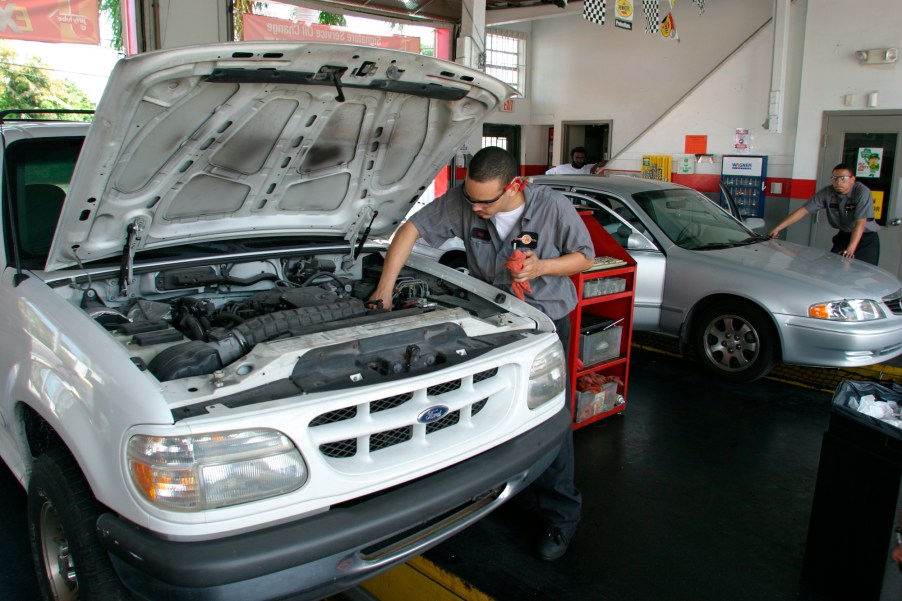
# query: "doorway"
870, 143
505, 136
594, 136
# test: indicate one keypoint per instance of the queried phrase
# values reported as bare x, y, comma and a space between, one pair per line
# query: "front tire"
735, 340
62, 516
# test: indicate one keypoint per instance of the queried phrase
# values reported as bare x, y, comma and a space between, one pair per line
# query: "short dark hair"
843, 167
581, 149
491, 163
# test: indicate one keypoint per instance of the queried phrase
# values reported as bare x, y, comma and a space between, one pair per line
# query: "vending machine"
744, 177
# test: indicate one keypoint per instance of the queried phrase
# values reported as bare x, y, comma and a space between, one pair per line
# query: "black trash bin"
857, 498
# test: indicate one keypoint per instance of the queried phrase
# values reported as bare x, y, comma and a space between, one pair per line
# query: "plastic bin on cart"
857, 498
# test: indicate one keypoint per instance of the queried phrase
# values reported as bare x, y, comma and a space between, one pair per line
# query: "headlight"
547, 376
847, 310
205, 471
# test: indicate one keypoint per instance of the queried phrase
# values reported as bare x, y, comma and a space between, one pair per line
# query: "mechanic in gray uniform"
494, 212
850, 209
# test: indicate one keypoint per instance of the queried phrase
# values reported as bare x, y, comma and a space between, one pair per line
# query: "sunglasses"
472, 202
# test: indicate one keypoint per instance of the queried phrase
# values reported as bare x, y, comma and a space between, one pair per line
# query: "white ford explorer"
196, 393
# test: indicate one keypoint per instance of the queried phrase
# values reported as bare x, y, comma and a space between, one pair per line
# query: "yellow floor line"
419, 578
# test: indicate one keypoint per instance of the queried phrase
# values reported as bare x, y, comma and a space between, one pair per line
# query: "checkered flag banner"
593, 11
701, 5
652, 16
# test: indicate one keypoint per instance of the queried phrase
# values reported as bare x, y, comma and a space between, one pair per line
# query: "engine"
195, 321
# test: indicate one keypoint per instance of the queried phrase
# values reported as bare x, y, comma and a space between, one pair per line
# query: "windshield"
692, 221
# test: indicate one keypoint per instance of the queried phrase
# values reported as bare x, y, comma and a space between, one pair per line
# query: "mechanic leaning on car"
850, 209
494, 213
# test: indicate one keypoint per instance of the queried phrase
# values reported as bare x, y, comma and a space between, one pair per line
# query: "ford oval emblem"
433, 414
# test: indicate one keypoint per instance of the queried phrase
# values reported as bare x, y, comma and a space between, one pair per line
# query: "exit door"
870, 143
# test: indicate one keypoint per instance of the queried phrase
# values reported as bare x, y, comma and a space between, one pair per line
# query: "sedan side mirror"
753, 223
638, 242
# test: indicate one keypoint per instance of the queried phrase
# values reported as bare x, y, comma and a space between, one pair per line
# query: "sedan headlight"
547, 376
847, 310
218, 469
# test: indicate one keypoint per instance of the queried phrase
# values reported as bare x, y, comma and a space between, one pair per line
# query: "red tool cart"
602, 328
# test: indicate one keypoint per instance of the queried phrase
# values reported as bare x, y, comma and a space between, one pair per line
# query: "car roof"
619, 184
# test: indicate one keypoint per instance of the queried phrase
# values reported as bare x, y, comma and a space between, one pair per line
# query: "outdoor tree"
26, 84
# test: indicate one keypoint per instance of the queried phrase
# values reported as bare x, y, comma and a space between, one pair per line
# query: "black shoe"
553, 544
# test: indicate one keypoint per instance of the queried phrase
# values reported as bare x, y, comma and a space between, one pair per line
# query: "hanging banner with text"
71, 21
257, 27
624, 14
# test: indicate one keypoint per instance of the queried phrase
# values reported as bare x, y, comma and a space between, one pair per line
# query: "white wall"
734, 96
634, 78
583, 71
835, 30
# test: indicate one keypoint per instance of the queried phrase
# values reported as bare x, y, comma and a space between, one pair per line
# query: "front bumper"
825, 343
337, 549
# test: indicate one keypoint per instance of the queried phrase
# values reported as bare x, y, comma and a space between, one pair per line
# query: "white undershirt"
505, 222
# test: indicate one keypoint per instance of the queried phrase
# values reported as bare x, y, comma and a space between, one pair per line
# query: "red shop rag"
515, 265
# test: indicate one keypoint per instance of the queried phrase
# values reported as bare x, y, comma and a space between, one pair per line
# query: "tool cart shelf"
601, 330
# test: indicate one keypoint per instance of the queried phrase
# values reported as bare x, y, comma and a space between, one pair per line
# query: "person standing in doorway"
850, 209
493, 212
577, 164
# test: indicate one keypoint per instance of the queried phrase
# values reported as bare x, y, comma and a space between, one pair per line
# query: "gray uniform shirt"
844, 211
549, 226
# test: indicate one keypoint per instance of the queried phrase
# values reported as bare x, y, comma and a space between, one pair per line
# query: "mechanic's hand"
532, 267
379, 301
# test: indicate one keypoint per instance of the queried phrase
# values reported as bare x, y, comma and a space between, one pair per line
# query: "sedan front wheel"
735, 340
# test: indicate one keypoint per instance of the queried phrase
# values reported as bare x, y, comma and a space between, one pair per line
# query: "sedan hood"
245, 140
817, 275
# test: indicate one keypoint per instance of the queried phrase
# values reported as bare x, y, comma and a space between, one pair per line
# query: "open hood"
257, 139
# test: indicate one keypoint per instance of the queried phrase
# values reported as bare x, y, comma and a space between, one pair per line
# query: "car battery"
599, 339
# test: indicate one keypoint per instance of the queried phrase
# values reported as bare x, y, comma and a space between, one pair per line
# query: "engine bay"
201, 320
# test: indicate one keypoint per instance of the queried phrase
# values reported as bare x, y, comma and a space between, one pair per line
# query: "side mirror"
753, 223
638, 242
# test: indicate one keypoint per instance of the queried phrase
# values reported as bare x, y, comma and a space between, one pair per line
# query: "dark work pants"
556, 493
868, 248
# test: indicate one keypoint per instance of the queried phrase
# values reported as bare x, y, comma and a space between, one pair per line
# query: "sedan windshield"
694, 222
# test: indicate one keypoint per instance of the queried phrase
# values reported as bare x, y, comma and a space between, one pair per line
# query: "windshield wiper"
717, 245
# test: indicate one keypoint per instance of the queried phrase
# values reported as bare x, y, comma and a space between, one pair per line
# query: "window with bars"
494, 141
505, 58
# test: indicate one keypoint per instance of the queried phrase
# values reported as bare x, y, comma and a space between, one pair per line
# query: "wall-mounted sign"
71, 21
508, 106
877, 195
868, 162
259, 27
741, 141
696, 144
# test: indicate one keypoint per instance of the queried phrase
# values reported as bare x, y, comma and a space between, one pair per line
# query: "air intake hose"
196, 358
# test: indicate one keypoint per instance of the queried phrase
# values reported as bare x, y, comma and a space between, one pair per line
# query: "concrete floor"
700, 490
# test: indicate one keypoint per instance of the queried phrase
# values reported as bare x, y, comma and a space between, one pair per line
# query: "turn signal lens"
847, 310
220, 469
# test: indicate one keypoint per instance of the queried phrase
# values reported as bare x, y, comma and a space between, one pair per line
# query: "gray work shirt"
549, 224
844, 211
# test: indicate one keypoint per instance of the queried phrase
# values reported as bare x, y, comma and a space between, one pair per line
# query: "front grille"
352, 424
894, 302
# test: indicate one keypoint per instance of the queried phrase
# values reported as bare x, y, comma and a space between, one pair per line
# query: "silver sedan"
736, 299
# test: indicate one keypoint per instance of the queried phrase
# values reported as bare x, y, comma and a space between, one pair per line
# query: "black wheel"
735, 340
62, 514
